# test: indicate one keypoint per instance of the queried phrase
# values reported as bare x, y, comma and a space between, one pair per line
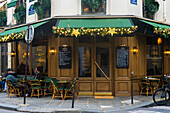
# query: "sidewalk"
82, 104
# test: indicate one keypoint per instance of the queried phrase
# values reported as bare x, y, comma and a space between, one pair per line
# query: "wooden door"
93, 68
102, 69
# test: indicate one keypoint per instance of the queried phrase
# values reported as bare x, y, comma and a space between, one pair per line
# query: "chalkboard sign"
65, 57
122, 57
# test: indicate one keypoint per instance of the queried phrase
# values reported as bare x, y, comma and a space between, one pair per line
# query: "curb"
144, 104
71, 110
8, 106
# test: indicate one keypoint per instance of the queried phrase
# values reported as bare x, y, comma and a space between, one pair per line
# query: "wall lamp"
13, 53
135, 50
52, 51
167, 52
159, 41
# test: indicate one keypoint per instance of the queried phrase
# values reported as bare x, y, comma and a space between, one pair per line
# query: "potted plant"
151, 7
42, 8
3, 18
20, 14
92, 5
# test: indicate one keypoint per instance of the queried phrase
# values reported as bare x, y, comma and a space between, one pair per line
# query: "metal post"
132, 87
73, 93
26, 65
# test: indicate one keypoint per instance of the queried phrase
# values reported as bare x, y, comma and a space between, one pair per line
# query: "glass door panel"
84, 63
102, 62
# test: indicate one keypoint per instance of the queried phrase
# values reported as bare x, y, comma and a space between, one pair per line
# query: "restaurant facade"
102, 51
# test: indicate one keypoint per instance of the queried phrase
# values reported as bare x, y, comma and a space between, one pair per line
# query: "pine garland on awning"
12, 37
109, 31
162, 31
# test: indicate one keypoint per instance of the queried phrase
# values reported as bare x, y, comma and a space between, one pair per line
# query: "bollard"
73, 93
132, 87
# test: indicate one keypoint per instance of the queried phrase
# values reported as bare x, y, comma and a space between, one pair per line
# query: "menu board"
65, 57
122, 57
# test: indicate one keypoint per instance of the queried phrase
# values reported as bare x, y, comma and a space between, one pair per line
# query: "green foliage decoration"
3, 18
151, 7
42, 8
20, 14
93, 4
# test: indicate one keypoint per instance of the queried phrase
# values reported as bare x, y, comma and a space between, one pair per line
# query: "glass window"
39, 58
84, 61
93, 7
154, 57
102, 59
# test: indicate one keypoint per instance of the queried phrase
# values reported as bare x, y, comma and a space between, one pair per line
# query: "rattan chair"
57, 89
13, 90
36, 89
69, 91
145, 87
47, 86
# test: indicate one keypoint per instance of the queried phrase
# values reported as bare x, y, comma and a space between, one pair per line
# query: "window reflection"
102, 59
154, 60
84, 61
93, 7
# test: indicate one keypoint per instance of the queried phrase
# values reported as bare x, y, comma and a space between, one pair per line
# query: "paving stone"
88, 104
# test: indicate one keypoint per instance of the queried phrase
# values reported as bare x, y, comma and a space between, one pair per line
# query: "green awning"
20, 29
155, 24
94, 23
12, 3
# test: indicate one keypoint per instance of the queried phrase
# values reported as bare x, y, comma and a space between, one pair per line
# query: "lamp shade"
52, 51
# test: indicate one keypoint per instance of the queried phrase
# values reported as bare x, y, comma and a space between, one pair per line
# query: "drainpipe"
164, 15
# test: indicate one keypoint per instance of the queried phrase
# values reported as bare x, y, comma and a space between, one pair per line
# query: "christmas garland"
12, 37
162, 31
93, 31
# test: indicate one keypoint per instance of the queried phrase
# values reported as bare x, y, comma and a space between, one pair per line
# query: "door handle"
101, 70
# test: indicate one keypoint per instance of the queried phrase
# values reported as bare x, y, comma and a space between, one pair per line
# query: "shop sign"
31, 34
65, 57
31, 10
133, 2
122, 57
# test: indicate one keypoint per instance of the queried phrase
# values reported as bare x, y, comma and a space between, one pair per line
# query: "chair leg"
147, 91
32, 93
44, 92
38, 92
53, 94
10, 94
65, 95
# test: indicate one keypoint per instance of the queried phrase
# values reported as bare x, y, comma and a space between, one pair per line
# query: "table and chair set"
47, 86
149, 84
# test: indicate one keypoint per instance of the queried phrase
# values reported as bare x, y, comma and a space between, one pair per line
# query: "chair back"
144, 82
47, 80
73, 83
35, 82
55, 82
10, 85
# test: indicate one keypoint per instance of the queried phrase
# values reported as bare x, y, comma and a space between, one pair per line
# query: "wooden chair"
154, 84
145, 87
57, 89
36, 88
13, 90
69, 91
46, 86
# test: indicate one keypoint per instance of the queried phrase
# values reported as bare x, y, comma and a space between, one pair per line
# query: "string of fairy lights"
12, 37
162, 31
78, 32
106, 31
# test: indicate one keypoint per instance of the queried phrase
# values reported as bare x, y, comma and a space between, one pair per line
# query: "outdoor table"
154, 83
